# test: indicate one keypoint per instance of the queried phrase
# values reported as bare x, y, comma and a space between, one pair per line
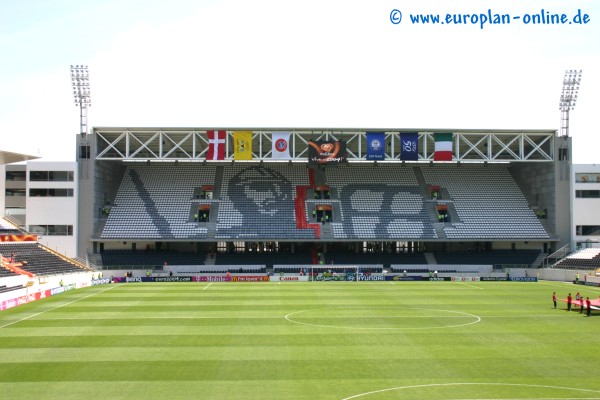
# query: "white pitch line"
473, 286
52, 309
366, 394
207, 286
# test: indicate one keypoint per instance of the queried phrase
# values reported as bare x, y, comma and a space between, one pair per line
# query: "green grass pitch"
366, 340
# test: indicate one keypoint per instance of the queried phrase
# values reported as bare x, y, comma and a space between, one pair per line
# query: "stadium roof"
468, 145
8, 157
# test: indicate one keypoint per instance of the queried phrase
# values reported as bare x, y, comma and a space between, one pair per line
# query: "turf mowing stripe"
57, 307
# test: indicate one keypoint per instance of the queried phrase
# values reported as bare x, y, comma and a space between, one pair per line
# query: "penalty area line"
57, 307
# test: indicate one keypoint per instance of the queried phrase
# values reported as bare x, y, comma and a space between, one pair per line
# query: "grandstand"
157, 197
35, 259
584, 259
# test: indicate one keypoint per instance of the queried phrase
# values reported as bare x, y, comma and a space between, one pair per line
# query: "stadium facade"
384, 202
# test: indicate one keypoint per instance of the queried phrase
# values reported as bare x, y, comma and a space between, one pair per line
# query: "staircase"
218, 182
430, 258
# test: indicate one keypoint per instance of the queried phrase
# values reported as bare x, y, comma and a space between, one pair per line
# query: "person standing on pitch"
554, 299
588, 306
569, 301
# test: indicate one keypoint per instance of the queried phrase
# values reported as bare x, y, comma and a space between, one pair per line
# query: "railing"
558, 255
16, 222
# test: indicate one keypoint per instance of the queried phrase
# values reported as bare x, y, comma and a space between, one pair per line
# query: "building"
41, 197
586, 205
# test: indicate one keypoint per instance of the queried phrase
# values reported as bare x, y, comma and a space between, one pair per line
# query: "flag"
443, 147
409, 146
281, 145
242, 145
375, 145
216, 145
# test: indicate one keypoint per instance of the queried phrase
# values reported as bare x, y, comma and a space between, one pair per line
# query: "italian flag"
443, 147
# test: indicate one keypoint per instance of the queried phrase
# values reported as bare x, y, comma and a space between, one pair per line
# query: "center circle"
382, 318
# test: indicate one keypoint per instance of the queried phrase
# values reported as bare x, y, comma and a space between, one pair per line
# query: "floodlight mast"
568, 98
80, 79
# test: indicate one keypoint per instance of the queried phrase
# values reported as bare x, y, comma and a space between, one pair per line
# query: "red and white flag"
216, 145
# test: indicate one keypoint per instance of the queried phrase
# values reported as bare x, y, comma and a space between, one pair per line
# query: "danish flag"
216, 145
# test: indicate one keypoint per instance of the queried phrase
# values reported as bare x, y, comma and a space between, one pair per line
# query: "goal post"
334, 273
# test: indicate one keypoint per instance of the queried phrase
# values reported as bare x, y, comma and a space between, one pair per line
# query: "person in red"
569, 302
588, 306
581, 304
554, 299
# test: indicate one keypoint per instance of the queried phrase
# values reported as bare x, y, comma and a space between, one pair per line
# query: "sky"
296, 64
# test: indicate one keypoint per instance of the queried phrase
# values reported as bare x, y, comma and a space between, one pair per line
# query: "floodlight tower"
568, 98
80, 78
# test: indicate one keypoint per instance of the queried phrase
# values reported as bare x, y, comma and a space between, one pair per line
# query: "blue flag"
409, 146
375, 145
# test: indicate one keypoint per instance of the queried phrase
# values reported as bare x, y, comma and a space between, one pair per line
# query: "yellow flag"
242, 145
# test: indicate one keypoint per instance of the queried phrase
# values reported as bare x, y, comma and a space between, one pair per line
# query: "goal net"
334, 273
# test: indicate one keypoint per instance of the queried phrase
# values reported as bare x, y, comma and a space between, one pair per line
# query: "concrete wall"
547, 186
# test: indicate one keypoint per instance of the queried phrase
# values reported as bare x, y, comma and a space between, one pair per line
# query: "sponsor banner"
133, 279
244, 278
523, 279
594, 284
18, 238
17, 301
6, 304
403, 278
62, 289
493, 278
297, 278
102, 281
170, 279
322, 278
350, 277
442, 279
465, 279
326, 151
368, 278
209, 278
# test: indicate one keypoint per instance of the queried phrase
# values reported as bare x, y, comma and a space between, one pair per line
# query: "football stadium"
316, 263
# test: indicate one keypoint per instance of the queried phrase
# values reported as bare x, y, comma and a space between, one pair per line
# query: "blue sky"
262, 63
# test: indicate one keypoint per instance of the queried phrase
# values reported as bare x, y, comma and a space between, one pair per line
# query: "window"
588, 230
51, 176
15, 192
587, 178
84, 151
38, 176
52, 230
60, 176
42, 192
563, 154
15, 175
587, 194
